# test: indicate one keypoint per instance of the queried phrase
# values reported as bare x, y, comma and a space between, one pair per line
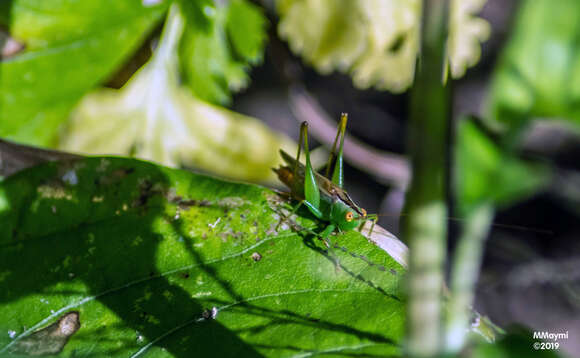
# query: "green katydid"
326, 199
324, 196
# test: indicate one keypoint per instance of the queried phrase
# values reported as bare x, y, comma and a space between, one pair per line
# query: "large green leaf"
70, 47
144, 254
539, 72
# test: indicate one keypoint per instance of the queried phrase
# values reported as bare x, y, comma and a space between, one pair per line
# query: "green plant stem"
426, 224
465, 271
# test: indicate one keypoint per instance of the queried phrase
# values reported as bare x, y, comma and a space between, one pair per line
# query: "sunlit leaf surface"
160, 262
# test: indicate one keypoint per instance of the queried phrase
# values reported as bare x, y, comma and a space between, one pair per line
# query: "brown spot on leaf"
49, 340
256, 256
145, 192
114, 176
187, 203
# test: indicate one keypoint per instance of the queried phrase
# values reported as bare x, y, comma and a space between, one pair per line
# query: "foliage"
375, 41
144, 254
518, 342
539, 73
154, 117
488, 174
70, 47
215, 58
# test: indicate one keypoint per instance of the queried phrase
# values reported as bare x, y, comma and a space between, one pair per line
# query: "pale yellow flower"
376, 41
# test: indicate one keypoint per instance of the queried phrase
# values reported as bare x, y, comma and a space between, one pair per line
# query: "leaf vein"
250, 299
336, 349
62, 310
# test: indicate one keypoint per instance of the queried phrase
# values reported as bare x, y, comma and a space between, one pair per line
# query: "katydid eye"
349, 216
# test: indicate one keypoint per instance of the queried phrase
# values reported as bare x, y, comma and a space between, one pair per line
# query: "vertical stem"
163, 69
166, 53
426, 224
464, 273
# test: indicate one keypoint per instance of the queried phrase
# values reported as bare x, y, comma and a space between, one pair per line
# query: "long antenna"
502, 225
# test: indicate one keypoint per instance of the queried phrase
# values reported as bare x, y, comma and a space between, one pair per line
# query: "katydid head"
346, 218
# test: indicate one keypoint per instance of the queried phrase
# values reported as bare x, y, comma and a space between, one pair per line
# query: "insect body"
324, 196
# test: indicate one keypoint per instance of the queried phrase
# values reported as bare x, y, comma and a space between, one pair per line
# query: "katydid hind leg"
311, 190
332, 155
338, 173
300, 142
313, 209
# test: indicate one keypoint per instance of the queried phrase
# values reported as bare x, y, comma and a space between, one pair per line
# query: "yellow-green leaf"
68, 48
154, 117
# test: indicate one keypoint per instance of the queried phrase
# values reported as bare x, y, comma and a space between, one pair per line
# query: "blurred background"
531, 269
220, 87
